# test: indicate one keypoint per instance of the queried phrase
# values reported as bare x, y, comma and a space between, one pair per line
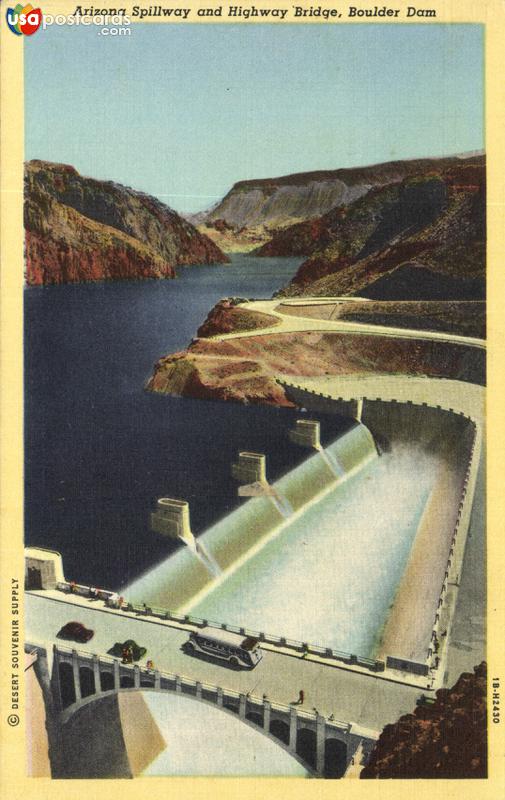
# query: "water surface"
100, 450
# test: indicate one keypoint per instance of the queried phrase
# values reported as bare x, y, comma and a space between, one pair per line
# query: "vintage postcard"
252, 381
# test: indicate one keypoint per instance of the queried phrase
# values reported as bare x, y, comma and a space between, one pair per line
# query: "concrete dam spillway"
329, 569
181, 578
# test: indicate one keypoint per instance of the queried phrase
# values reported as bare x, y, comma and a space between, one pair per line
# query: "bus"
235, 648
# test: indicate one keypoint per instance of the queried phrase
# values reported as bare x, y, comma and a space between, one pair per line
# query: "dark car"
76, 632
426, 701
128, 651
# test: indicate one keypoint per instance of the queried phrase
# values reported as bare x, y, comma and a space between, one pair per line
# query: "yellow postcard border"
13, 782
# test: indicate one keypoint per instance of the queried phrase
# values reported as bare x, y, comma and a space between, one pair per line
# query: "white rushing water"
331, 575
179, 579
321, 561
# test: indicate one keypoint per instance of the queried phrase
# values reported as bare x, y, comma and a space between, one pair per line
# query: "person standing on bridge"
127, 654
301, 697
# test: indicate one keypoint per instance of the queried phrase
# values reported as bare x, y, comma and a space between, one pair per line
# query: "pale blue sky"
184, 111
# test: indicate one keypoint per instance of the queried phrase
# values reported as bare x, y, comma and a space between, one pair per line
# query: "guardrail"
282, 642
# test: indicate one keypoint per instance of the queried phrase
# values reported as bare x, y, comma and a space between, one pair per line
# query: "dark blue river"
100, 450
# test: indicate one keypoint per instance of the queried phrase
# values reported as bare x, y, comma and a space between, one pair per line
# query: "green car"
425, 701
127, 651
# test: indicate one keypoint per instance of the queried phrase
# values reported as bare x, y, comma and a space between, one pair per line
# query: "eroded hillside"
81, 229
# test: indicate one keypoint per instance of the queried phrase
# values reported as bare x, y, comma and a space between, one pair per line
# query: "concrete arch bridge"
324, 747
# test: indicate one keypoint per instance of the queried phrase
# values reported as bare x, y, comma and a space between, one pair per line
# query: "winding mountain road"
290, 323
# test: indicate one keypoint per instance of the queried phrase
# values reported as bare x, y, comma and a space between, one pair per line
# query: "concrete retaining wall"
453, 437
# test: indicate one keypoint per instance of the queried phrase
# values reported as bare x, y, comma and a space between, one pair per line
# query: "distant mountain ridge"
421, 238
280, 201
80, 229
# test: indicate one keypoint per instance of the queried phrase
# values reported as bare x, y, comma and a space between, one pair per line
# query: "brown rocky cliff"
228, 317
70, 248
300, 239
445, 740
434, 221
245, 369
82, 229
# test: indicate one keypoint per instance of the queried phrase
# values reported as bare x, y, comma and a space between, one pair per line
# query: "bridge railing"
81, 590
282, 642
177, 682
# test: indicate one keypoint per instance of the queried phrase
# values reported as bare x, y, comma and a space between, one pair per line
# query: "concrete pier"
43, 568
171, 518
250, 468
306, 433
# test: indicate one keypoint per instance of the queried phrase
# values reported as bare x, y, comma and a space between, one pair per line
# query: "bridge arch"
280, 730
335, 758
86, 681
306, 746
106, 680
254, 717
69, 712
66, 684
85, 678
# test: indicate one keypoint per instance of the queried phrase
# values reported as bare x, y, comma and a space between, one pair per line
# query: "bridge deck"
367, 701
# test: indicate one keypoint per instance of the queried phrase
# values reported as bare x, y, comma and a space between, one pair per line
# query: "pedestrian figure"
72, 586
124, 655
301, 697
150, 664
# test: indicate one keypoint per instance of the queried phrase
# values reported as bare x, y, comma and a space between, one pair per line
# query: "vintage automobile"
76, 632
238, 650
128, 651
423, 700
